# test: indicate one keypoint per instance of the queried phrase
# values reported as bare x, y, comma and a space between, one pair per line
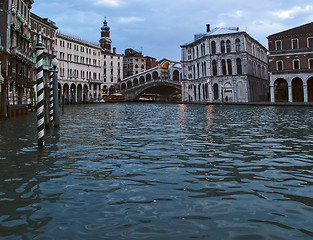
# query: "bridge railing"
135, 87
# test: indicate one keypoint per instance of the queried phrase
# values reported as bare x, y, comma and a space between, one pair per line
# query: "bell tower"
105, 41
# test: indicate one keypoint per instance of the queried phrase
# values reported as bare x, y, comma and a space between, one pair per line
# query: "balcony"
22, 55
95, 81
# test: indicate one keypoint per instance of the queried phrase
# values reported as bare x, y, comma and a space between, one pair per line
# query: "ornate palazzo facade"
224, 65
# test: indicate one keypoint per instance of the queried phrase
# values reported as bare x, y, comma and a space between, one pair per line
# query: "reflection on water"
159, 171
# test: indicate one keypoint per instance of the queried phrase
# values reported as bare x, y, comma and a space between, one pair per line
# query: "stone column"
305, 92
289, 91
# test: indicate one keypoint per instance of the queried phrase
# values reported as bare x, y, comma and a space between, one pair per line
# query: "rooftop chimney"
208, 28
114, 50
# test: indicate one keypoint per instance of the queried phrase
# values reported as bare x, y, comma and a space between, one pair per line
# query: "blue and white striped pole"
40, 94
51, 97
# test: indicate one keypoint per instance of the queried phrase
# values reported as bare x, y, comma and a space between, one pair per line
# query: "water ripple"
159, 171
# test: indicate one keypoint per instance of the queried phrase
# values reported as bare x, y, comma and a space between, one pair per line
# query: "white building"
224, 65
87, 70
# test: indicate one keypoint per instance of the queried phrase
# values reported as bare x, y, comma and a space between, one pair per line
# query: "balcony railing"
95, 81
21, 54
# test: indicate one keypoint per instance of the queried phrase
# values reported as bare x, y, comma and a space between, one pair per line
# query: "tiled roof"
215, 32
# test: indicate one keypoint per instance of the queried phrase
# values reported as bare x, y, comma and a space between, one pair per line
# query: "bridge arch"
162, 88
129, 84
155, 75
176, 75
136, 83
148, 77
142, 80
158, 78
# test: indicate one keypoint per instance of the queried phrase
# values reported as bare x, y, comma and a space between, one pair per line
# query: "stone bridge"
162, 80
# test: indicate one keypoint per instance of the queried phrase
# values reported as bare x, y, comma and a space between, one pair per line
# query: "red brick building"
291, 64
151, 62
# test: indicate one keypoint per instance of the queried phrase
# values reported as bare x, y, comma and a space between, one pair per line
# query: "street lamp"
56, 114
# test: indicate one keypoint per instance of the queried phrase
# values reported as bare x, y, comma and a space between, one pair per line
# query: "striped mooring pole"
40, 94
51, 97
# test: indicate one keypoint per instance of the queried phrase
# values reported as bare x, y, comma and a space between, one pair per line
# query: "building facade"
224, 65
134, 63
44, 30
79, 69
87, 71
15, 53
291, 64
151, 62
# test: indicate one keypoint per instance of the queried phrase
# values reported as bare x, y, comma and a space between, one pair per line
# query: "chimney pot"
208, 28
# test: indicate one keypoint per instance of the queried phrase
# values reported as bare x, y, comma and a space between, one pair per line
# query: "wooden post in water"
40, 94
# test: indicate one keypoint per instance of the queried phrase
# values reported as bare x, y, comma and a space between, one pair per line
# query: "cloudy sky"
159, 27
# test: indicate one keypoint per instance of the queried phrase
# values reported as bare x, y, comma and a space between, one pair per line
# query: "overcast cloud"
158, 28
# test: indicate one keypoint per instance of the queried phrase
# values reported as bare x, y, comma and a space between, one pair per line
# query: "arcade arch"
281, 90
297, 90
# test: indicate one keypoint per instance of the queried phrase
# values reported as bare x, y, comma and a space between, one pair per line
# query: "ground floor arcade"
240, 89
83, 92
292, 88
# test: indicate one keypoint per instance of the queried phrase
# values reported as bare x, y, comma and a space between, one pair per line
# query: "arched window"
229, 67
239, 67
136, 66
237, 45
203, 54
204, 66
222, 46
224, 67
215, 91
213, 47
228, 46
214, 67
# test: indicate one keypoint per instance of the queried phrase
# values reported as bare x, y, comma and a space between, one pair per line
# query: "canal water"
159, 171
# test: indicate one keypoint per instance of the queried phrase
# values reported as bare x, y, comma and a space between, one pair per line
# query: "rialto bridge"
162, 80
